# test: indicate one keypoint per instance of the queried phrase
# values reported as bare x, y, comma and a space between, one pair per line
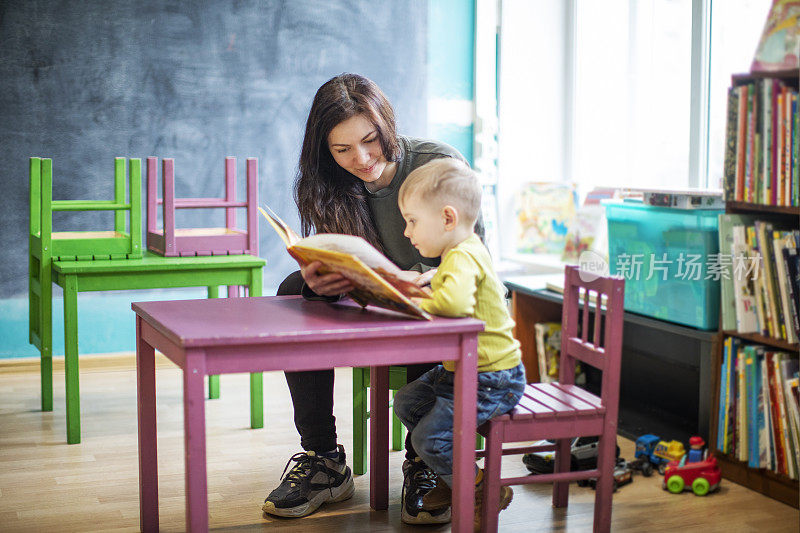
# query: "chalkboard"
83, 82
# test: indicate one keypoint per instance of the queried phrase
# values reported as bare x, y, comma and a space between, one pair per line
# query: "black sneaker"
312, 481
419, 480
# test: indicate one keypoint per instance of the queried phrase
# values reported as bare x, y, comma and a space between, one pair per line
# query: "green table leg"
359, 421
213, 381
71, 359
256, 378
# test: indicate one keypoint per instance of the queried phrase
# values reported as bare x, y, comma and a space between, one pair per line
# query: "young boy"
440, 202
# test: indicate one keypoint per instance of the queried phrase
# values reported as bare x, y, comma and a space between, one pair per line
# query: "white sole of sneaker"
425, 518
339, 494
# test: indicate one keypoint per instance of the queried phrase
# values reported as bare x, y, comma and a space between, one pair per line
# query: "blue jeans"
425, 406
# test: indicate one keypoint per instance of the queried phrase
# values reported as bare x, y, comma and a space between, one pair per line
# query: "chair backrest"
201, 241
86, 245
596, 341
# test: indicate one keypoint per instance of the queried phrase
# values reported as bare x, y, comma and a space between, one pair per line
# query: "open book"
377, 280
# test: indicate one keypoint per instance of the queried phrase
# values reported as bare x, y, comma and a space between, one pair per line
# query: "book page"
287, 234
350, 244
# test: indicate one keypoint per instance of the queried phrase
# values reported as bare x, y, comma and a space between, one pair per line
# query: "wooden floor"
93, 486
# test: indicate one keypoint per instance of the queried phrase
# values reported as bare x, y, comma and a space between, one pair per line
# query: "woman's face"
356, 147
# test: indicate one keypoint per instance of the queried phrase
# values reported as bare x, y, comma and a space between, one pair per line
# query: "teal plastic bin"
667, 257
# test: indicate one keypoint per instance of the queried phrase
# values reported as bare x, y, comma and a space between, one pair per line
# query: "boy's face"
425, 226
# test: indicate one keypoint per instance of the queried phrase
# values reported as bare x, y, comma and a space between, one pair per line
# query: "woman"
352, 164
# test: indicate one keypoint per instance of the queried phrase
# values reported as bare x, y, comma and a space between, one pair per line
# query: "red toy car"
700, 477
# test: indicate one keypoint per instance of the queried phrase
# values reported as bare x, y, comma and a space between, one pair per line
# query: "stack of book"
759, 417
761, 163
759, 284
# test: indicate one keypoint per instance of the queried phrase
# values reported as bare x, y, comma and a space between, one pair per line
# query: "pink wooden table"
206, 337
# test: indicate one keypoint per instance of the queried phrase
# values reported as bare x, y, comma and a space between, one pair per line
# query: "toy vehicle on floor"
658, 452
583, 456
622, 476
701, 477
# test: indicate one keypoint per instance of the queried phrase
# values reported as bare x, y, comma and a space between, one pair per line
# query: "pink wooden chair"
561, 410
226, 240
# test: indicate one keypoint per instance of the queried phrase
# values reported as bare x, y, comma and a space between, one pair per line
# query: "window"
735, 30
632, 93
600, 93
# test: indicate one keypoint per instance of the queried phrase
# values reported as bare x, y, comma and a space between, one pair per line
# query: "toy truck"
650, 449
700, 477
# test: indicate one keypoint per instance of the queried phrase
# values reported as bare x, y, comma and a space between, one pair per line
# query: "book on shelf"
760, 287
761, 164
742, 283
767, 459
788, 378
548, 349
376, 279
558, 286
741, 446
791, 261
759, 407
727, 296
548, 353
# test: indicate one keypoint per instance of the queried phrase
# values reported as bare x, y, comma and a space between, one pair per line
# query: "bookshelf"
767, 482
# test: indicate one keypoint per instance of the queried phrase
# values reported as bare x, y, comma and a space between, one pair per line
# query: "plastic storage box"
670, 261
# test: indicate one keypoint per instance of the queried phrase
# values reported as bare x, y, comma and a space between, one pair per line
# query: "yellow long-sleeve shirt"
466, 285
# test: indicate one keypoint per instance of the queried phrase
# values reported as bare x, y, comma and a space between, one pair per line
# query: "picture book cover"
779, 45
548, 350
545, 212
589, 228
377, 280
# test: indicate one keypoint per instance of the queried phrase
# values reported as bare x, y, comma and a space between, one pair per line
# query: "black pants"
312, 394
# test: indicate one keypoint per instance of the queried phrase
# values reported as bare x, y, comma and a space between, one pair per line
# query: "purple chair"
227, 240
561, 410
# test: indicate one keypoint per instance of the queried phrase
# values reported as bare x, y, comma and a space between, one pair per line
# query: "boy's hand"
424, 279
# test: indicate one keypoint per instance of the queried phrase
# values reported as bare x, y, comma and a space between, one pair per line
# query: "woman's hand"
326, 284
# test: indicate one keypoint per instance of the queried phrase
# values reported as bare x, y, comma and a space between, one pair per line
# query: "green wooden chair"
46, 246
397, 378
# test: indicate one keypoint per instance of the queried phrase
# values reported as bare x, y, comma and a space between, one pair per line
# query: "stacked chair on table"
114, 259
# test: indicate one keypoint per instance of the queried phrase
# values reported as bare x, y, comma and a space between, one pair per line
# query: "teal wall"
105, 321
451, 74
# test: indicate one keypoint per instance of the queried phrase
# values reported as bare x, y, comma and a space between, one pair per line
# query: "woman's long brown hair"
330, 199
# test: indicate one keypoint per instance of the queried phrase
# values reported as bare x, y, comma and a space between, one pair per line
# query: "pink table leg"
194, 427
379, 437
148, 465
464, 426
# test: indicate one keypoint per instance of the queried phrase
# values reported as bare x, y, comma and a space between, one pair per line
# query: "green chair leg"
46, 334
359, 421
71, 360
213, 387
213, 381
397, 430
256, 400
256, 378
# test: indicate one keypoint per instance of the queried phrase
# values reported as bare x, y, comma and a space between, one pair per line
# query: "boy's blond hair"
445, 181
